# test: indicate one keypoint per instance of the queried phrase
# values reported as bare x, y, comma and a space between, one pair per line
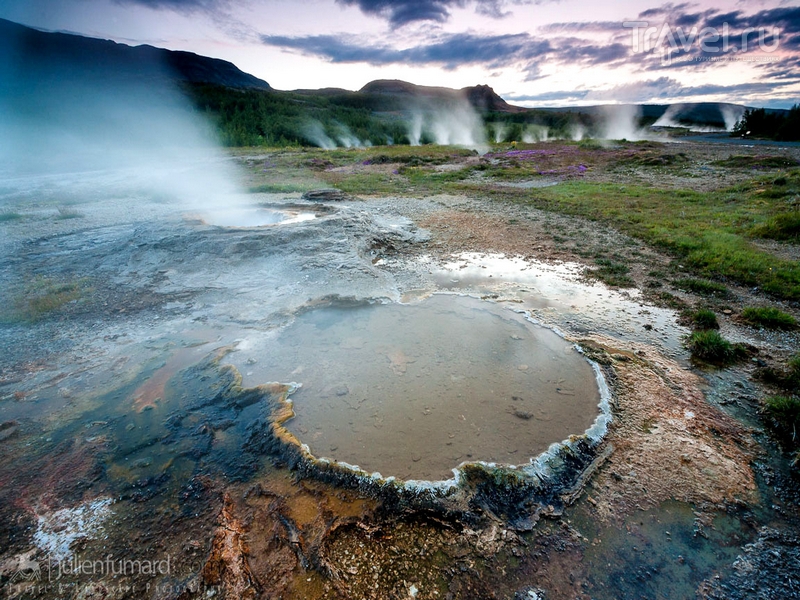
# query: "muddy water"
412, 391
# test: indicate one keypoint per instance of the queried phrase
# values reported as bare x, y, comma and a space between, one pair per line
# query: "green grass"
702, 287
43, 296
769, 318
611, 273
787, 378
282, 188
708, 231
784, 414
710, 347
704, 319
667, 300
783, 227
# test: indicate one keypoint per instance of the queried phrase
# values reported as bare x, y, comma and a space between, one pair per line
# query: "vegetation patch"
710, 231
704, 319
710, 347
282, 188
44, 296
611, 273
769, 318
783, 414
781, 227
655, 159
702, 287
787, 378
757, 162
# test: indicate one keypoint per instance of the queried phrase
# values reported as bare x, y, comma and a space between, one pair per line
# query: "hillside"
482, 97
28, 54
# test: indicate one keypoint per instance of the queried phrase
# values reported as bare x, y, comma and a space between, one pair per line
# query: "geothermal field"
481, 361
440, 372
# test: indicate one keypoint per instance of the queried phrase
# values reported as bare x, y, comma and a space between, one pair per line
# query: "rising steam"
621, 122
454, 123
138, 130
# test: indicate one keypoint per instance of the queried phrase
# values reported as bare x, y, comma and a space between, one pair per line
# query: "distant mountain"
482, 97
29, 54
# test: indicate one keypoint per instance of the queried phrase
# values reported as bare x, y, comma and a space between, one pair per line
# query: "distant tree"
757, 122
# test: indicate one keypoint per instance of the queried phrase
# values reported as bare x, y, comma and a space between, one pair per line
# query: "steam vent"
414, 391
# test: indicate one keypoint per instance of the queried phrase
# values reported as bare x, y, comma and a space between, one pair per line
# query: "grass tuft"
43, 296
781, 227
704, 319
784, 414
702, 287
710, 347
769, 318
611, 273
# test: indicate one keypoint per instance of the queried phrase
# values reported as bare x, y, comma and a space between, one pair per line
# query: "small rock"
326, 195
8, 430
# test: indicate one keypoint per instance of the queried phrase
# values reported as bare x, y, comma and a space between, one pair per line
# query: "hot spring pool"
413, 391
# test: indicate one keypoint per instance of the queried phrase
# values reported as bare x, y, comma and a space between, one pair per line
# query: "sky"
531, 52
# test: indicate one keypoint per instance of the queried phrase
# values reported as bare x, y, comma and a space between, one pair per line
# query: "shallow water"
665, 552
412, 391
557, 295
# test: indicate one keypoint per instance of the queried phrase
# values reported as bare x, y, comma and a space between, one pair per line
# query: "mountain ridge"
28, 51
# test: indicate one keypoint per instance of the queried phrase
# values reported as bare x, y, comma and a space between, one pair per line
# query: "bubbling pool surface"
413, 391
256, 216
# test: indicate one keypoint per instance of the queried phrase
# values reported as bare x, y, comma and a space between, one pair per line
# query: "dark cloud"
403, 12
452, 51
179, 5
590, 54
787, 19
449, 51
666, 9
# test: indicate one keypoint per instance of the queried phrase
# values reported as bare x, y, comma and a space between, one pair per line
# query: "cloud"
449, 51
559, 96
403, 12
185, 6
664, 90
454, 50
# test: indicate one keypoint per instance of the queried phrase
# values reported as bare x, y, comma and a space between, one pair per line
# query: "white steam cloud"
139, 133
731, 115
621, 122
448, 124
